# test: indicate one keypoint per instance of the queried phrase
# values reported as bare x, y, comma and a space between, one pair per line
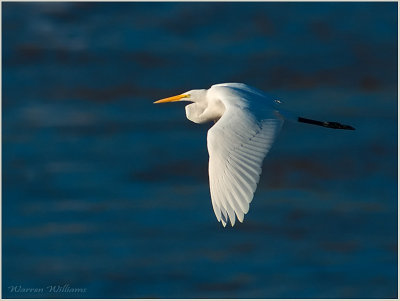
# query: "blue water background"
105, 191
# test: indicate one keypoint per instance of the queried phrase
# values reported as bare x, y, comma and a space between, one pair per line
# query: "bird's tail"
328, 124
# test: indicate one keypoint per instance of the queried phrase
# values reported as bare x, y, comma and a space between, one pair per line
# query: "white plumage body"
246, 124
237, 145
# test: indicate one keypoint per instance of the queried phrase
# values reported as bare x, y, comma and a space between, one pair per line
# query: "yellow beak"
171, 99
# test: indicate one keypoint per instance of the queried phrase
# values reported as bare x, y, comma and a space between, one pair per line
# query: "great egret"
246, 123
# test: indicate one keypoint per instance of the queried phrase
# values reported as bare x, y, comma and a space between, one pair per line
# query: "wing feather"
237, 145
236, 194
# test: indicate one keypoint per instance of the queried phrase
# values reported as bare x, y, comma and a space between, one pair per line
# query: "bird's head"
194, 111
192, 96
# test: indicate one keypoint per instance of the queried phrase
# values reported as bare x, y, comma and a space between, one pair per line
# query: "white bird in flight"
246, 123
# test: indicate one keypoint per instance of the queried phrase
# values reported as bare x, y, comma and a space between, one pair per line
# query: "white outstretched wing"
237, 145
